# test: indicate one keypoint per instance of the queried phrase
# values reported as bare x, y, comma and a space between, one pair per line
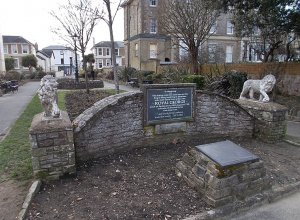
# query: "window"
136, 49
5, 50
16, 63
107, 51
230, 27
153, 3
25, 48
100, 63
153, 26
117, 52
14, 48
107, 62
213, 28
255, 31
153, 51
229, 50
100, 51
212, 49
62, 61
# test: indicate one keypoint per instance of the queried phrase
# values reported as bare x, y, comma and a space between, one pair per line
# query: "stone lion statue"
262, 87
48, 96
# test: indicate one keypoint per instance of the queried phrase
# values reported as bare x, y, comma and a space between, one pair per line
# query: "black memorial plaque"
169, 104
227, 153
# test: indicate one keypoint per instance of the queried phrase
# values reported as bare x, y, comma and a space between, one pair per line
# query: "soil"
12, 195
141, 184
78, 101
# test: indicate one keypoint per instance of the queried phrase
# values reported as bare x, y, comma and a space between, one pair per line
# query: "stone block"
188, 160
199, 171
39, 152
45, 143
218, 202
218, 193
218, 183
170, 128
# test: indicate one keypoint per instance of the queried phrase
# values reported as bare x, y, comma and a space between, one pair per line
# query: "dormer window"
153, 3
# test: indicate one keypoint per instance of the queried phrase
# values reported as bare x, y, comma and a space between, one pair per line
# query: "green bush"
125, 74
236, 81
198, 79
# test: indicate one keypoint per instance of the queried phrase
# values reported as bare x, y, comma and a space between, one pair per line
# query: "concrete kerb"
33, 190
234, 209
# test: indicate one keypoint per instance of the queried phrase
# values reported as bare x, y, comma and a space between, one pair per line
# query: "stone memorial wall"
117, 123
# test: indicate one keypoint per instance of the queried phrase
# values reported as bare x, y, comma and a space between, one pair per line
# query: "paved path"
284, 209
108, 85
13, 104
293, 129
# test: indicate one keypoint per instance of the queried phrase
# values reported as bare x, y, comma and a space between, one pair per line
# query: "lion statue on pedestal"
48, 96
262, 87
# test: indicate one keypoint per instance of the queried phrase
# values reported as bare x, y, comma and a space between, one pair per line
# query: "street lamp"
75, 36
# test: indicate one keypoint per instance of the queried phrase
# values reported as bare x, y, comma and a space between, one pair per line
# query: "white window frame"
117, 51
18, 63
5, 49
213, 29
153, 26
229, 54
100, 52
12, 51
100, 64
136, 49
108, 63
153, 3
212, 50
153, 51
229, 28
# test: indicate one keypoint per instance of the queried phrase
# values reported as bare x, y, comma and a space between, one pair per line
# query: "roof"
118, 44
46, 53
15, 39
126, 2
57, 47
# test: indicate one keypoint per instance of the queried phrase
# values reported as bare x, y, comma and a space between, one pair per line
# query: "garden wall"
115, 124
71, 84
287, 74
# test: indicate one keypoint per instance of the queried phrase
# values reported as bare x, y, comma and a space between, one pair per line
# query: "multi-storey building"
17, 47
103, 55
46, 60
146, 44
64, 58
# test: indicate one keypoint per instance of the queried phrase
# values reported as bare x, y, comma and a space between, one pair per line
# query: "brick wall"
115, 124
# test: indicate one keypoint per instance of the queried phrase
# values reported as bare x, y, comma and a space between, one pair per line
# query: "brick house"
102, 54
17, 47
146, 46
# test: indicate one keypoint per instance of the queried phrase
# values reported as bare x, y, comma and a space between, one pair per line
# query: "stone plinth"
53, 153
270, 119
221, 185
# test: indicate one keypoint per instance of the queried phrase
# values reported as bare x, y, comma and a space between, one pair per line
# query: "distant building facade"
147, 46
17, 47
46, 60
64, 58
103, 54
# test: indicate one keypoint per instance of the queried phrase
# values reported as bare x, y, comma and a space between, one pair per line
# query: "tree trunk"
194, 58
113, 55
85, 75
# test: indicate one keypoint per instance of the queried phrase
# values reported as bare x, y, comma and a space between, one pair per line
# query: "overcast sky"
31, 20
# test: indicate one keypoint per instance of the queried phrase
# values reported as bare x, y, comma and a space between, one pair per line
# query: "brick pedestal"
53, 153
270, 119
220, 186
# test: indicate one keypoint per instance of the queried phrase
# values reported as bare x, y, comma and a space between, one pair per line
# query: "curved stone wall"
115, 124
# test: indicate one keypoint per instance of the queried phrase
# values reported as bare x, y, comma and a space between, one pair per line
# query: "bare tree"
109, 20
190, 22
77, 18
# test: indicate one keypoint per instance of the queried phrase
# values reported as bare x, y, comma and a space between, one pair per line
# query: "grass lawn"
15, 156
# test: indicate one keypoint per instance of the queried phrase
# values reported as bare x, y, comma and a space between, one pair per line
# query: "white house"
46, 60
102, 54
64, 58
